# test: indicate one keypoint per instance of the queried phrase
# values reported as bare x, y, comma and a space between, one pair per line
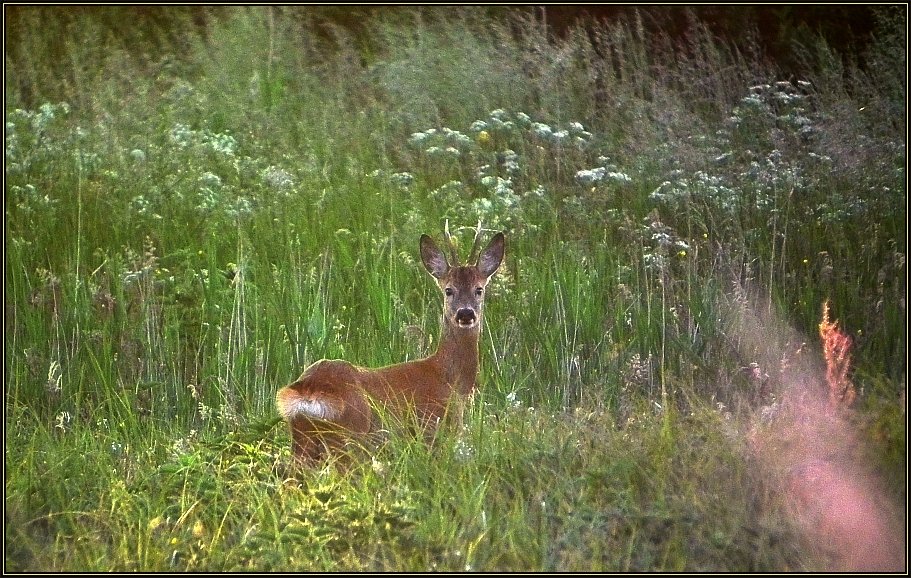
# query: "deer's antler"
474, 255
453, 251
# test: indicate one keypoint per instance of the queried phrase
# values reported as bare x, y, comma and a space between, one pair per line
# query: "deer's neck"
458, 356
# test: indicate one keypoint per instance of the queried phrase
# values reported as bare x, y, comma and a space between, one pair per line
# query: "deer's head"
463, 286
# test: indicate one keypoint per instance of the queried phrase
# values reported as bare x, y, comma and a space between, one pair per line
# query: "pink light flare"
808, 446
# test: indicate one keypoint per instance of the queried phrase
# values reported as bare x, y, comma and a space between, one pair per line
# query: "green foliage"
200, 205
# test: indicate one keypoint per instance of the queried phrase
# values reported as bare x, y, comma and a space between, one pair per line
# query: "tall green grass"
208, 208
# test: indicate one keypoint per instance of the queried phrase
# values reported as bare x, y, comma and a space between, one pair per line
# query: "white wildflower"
513, 400
589, 176
619, 177
181, 135
403, 180
208, 179
478, 126
463, 450
541, 130
417, 138
277, 178
510, 161
221, 143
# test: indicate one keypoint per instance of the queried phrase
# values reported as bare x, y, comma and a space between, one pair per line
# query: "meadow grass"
232, 201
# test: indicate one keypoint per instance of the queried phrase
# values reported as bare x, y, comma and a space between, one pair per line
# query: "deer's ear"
433, 258
491, 257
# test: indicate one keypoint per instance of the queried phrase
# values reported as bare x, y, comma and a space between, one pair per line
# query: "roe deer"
332, 398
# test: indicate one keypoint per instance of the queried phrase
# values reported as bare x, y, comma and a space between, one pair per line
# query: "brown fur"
333, 399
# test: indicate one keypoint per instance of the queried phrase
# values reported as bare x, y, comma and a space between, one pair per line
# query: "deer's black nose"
466, 317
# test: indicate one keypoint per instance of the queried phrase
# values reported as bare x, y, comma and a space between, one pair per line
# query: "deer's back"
419, 384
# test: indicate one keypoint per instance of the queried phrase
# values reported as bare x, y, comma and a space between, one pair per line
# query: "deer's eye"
448, 291
478, 291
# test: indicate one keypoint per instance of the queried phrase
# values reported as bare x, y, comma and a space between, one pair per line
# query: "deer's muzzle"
466, 317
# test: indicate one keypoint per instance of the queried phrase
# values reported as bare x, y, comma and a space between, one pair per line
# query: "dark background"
847, 28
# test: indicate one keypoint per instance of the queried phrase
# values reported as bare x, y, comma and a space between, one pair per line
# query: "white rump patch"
315, 408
